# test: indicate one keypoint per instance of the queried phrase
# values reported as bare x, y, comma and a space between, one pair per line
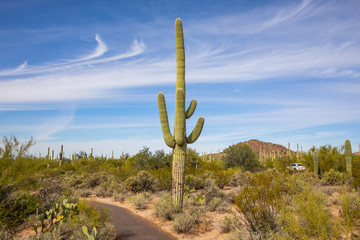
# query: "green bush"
334, 178
162, 178
307, 217
194, 182
350, 211
16, 209
139, 183
240, 155
259, 201
183, 222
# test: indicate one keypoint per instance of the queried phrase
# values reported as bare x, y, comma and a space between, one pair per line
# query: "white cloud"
99, 51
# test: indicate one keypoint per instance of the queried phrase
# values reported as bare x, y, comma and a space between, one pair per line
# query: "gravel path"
131, 227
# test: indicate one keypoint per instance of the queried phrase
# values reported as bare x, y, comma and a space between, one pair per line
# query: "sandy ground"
208, 230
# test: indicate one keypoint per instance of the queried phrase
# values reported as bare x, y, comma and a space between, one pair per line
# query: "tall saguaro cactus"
179, 140
316, 162
348, 158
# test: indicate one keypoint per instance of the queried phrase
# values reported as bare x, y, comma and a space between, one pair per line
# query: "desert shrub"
16, 209
334, 178
162, 178
83, 192
307, 217
90, 216
106, 231
73, 180
164, 208
227, 224
194, 182
258, 202
240, 155
183, 222
350, 211
217, 204
223, 177
101, 191
240, 178
243, 235
132, 184
93, 180
4, 233
139, 183
258, 205
119, 197
232, 193
140, 200
51, 191
212, 191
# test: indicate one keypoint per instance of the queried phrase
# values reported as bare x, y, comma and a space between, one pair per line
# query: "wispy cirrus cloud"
136, 48
99, 51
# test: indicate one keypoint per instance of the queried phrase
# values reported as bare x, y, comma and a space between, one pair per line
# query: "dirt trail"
131, 227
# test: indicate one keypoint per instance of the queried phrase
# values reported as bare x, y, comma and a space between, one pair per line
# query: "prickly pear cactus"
348, 157
179, 140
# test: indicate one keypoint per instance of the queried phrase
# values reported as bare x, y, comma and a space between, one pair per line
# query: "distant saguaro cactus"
179, 140
61, 155
289, 150
348, 157
316, 162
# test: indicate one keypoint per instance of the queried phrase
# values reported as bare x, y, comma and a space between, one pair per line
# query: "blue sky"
85, 74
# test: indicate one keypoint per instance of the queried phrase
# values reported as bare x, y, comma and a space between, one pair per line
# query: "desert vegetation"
255, 199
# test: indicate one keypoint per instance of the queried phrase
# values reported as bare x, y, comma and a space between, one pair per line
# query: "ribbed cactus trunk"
316, 163
61, 155
179, 141
348, 157
297, 152
288, 150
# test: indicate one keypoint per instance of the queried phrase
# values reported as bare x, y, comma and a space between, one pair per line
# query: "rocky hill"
262, 149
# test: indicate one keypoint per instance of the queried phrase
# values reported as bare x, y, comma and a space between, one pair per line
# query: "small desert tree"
13, 148
240, 155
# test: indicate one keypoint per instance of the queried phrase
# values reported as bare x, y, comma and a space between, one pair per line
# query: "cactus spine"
348, 158
179, 140
316, 163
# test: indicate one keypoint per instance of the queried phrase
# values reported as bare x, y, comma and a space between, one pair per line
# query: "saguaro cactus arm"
189, 112
180, 55
197, 130
180, 117
168, 137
